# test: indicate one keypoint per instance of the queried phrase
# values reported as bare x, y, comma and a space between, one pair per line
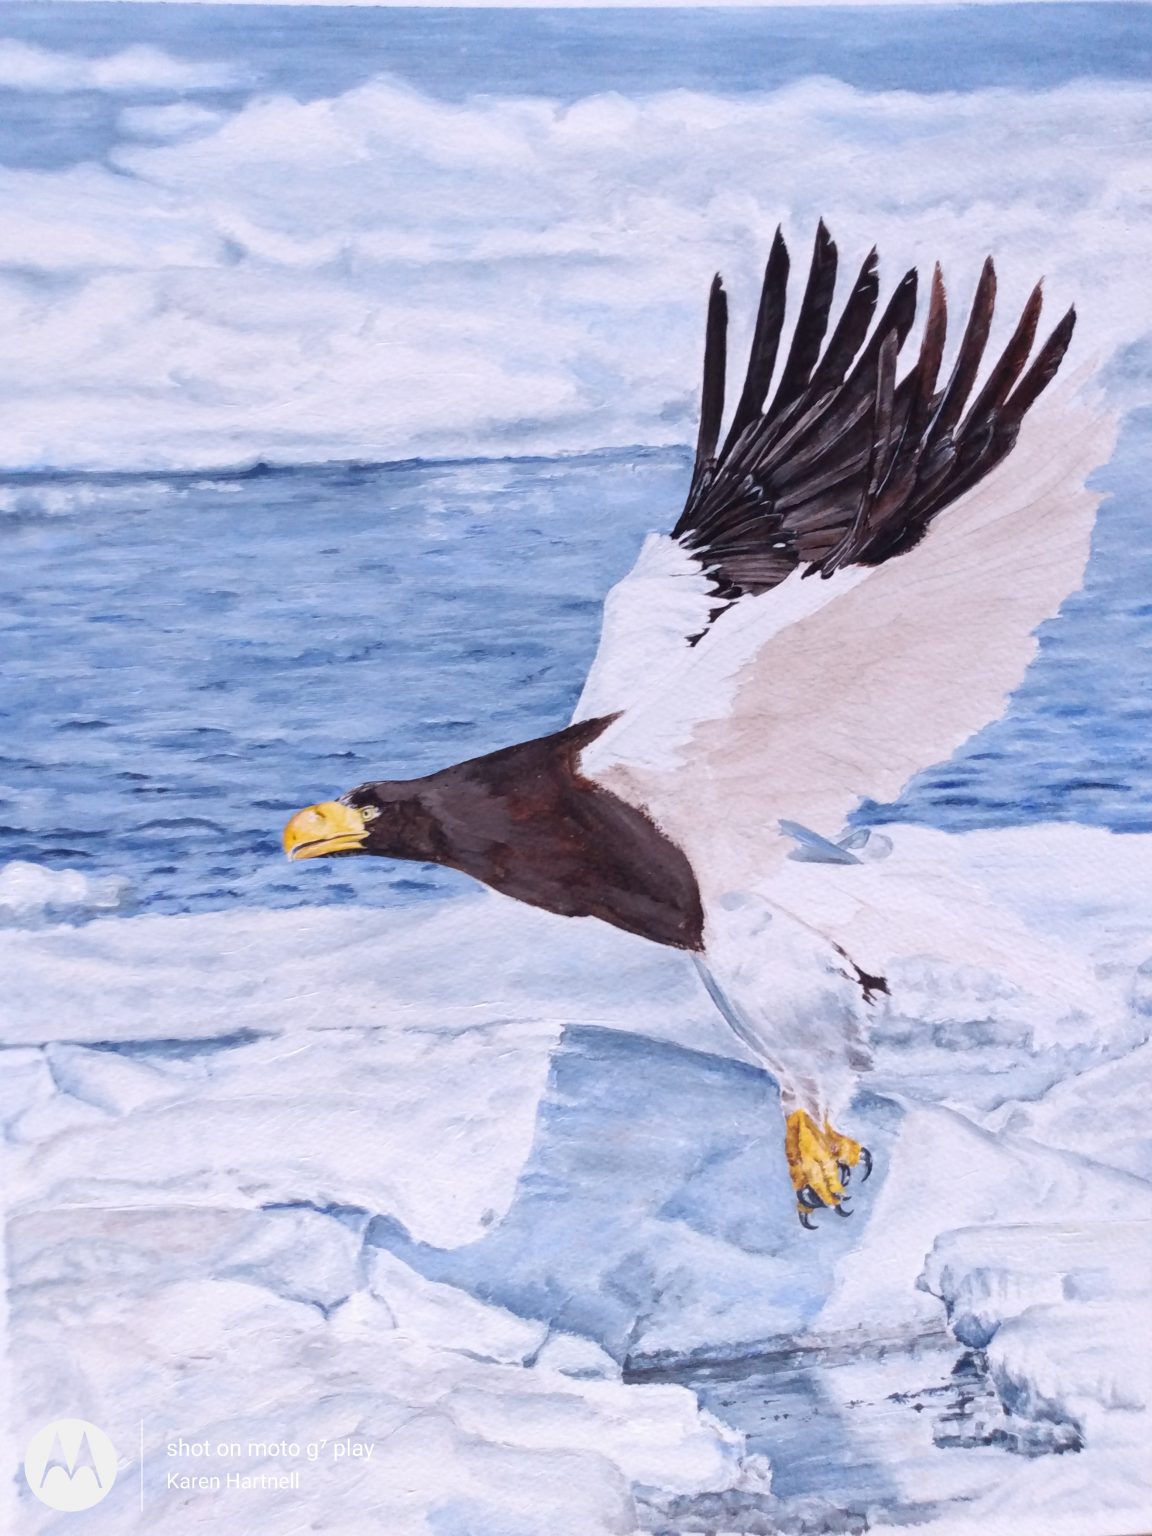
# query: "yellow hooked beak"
325, 828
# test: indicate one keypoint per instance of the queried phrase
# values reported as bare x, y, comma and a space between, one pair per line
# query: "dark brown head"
386, 819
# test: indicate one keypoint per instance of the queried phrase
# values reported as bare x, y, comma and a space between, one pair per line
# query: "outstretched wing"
798, 643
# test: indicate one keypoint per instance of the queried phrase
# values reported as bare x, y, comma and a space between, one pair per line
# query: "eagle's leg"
820, 1162
799, 1002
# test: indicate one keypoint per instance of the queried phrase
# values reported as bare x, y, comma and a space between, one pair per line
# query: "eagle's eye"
369, 812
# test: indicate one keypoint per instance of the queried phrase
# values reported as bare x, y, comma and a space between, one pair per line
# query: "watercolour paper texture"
727, 1112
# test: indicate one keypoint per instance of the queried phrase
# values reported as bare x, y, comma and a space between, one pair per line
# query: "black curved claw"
845, 1174
804, 1222
841, 1210
809, 1199
866, 1160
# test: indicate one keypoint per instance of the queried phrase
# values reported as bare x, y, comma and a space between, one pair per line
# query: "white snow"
1105, 1108
425, 1178
310, 273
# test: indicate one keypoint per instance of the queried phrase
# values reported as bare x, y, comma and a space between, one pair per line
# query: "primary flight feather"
852, 589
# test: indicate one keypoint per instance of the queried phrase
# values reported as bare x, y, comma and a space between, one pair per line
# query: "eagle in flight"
852, 589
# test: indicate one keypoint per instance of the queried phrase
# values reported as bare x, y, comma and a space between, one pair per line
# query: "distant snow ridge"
379, 274
27, 67
31, 895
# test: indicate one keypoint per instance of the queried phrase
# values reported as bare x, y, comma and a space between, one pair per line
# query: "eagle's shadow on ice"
655, 1213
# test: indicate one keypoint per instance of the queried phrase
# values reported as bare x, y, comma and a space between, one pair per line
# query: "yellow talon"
819, 1160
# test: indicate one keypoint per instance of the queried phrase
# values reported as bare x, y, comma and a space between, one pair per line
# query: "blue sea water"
188, 659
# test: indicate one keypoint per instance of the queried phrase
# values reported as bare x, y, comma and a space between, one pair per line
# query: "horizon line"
256, 469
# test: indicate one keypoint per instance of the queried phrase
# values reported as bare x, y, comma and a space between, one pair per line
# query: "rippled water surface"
189, 659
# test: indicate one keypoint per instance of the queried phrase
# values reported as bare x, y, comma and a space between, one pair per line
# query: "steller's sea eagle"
810, 634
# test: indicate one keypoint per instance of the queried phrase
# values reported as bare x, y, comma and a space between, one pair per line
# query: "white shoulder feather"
648, 619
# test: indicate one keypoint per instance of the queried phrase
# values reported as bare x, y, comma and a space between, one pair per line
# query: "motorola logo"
70, 1464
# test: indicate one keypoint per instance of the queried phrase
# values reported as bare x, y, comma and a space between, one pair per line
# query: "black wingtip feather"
1008, 367
897, 319
968, 358
851, 329
715, 368
883, 407
935, 333
811, 323
765, 341
883, 410
1043, 369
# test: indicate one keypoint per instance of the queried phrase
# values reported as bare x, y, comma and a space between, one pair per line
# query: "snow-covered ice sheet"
485, 1189
232, 1327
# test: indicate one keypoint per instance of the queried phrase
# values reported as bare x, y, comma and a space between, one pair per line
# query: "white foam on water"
32, 895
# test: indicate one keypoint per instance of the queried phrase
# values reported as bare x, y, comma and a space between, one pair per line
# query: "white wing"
644, 637
801, 701
854, 585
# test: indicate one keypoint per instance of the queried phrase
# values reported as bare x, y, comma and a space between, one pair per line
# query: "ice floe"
31, 895
500, 1194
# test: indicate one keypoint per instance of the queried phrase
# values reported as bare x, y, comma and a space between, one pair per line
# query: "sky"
577, 4
570, 4
292, 235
